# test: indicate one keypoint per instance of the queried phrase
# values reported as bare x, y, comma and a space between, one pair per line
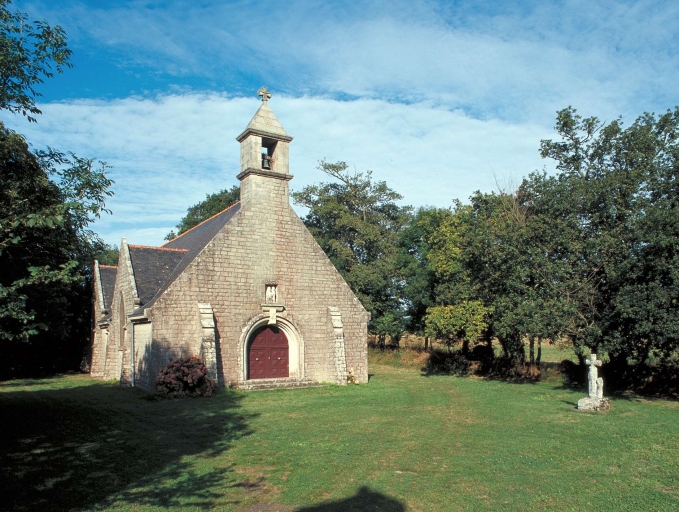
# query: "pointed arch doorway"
268, 354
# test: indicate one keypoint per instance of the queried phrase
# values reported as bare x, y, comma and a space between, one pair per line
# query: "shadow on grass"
95, 444
364, 499
27, 383
481, 362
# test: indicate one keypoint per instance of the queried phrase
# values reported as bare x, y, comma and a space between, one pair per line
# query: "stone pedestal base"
594, 404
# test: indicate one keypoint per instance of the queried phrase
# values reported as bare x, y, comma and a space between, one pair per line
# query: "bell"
266, 162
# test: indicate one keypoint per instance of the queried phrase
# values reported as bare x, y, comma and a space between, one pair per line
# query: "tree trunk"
531, 344
522, 349
539, 358
426, 343
579, 353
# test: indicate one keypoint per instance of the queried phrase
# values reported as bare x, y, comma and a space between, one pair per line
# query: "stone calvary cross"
595, 401
596, 383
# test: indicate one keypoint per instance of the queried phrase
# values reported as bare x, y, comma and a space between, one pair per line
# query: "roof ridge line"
197, 225
157, 248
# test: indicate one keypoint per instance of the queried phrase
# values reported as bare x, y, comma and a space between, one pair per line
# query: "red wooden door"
268, 354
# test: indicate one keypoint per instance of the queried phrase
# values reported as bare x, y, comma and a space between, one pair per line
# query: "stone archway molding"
295, 346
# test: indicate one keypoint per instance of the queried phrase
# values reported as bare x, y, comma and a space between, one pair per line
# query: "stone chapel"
248, 290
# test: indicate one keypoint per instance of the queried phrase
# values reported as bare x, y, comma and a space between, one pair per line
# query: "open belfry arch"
247, 290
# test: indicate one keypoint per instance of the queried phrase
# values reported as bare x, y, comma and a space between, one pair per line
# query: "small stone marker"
595, 401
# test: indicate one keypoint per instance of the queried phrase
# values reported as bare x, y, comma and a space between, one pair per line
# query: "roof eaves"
195, 227
156, 248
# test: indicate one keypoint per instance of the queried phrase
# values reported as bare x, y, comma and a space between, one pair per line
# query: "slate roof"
152, 266
156, 268
107, 276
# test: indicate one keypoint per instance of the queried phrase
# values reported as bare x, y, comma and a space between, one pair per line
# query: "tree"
620, 188
108, 255
357, 222
213, 204
30, 52
462, 323
414, 265
47, 201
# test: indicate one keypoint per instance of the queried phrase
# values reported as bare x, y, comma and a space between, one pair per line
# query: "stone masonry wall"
98, 347
119, 343
144, 377
265, 243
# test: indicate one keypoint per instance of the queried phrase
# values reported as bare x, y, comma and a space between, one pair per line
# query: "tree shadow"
95, 444
364, 499
27, 383
481, 362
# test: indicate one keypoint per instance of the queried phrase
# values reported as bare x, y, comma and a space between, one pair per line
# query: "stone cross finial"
264, 93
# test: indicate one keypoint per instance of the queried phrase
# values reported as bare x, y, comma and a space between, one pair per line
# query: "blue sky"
436, 98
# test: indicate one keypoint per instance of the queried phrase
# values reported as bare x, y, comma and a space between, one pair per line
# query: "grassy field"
402, 442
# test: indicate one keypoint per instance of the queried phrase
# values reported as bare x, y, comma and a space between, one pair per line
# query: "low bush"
448, 362
185, 376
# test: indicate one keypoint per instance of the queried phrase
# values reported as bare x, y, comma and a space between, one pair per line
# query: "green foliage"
463, 322
391, 325
47, 201
185, 376
107, 255
30, 52
618, 190
590, 254
357, 222
213, 204
414, 266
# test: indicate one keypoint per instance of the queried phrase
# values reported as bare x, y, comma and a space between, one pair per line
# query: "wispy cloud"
434, 97
518, 62
168, 152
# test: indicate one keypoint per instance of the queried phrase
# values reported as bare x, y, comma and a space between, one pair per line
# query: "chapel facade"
248, 290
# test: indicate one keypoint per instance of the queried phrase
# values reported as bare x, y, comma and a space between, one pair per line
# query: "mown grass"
402, 442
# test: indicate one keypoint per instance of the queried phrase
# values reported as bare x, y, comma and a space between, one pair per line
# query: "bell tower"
264, 156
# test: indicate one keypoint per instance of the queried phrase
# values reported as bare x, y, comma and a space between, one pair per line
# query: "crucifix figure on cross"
264, 93
596, 383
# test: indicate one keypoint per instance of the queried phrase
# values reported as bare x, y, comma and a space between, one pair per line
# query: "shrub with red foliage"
186, 376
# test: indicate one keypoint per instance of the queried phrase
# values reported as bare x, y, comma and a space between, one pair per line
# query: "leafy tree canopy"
30, 53
618, 187
357, 223
48, 199
420, 278
464, 322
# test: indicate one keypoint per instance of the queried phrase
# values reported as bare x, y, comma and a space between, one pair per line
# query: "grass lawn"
402, 442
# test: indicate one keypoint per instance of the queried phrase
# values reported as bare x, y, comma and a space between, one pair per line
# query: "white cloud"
167, 153
515, 62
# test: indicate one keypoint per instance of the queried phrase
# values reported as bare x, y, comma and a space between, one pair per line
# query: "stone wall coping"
262, 133
140, 318
262, 172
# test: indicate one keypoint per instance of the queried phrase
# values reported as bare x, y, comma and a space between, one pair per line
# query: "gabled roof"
264, 123
107, 278
152, 266
153, 263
